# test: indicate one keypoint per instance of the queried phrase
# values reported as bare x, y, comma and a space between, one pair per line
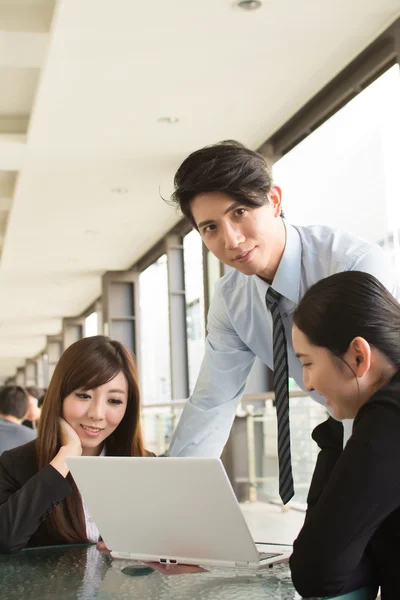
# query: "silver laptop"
169, 510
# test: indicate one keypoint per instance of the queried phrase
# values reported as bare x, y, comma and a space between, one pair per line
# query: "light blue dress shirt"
240, 328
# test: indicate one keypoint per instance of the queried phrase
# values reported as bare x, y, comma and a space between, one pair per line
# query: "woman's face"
95, 414
328, 375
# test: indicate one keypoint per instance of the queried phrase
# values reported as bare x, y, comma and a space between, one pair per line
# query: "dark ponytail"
343, 306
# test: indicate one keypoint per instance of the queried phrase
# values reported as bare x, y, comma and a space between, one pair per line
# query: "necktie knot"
272, 297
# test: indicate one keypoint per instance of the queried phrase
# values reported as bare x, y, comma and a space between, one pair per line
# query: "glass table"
83, 573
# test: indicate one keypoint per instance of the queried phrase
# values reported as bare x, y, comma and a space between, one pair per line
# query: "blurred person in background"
14, 405
42, 397
33, 414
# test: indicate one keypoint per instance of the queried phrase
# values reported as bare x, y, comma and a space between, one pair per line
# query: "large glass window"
214, 273
155, 363
91, 324
193, 257
345, 174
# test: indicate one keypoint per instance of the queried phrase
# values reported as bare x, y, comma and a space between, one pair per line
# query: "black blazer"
27, 496
351, 534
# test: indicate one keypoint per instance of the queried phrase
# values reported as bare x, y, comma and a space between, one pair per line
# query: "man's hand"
101, 547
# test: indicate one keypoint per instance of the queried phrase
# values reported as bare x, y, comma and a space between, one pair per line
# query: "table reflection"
82, 573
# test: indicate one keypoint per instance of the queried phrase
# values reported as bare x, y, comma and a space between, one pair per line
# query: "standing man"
226, 192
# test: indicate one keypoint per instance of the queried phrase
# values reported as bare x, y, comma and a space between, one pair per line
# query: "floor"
273, 524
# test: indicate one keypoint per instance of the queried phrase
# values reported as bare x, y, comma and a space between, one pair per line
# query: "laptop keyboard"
266, 555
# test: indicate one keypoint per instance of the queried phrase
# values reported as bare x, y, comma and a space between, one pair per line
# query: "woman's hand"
70, 446
70, 439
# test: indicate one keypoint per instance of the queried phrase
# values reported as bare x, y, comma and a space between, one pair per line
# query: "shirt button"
284, 315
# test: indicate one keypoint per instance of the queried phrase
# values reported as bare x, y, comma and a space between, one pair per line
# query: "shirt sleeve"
376, 262
330, 551
207, 417
22, 509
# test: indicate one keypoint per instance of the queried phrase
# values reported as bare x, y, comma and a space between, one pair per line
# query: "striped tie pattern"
281, 389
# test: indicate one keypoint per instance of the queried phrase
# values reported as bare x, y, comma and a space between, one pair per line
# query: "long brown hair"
87, 364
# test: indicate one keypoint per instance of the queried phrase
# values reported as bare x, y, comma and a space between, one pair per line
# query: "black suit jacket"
351, 534
27, 497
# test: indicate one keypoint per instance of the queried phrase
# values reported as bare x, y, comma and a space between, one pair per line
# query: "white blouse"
92, 533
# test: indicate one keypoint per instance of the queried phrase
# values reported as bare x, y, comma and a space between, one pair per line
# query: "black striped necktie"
281, 389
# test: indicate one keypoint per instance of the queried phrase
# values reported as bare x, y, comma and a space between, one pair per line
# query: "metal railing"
160, 420
304, 416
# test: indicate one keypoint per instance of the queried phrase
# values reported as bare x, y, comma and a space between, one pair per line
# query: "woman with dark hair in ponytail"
92, 407
346, 334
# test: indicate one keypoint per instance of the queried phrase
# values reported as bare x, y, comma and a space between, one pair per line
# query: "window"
91, 325
154, 364
345, 174
193, 260
214, 273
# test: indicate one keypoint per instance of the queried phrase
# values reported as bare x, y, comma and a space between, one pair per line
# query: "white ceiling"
92, 79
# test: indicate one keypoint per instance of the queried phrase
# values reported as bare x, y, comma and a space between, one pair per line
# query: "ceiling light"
119, 190
249, 4
168, 120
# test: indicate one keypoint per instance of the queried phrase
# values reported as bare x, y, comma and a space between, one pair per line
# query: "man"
14, 405
226, 192
33, 415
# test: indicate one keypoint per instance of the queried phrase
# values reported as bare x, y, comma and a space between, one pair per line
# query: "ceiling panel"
112, 70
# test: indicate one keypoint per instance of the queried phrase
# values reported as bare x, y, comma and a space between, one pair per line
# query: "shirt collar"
287, 277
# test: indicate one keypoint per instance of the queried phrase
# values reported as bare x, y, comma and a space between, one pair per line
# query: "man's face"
248, 239
33, 413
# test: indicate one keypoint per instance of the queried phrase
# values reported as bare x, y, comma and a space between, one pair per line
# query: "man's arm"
377, 263
207, 418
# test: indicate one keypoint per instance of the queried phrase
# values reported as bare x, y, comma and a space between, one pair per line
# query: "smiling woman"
92, 407
95, 414
346, 334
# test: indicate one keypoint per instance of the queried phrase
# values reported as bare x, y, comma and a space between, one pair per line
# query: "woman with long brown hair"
92, 407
